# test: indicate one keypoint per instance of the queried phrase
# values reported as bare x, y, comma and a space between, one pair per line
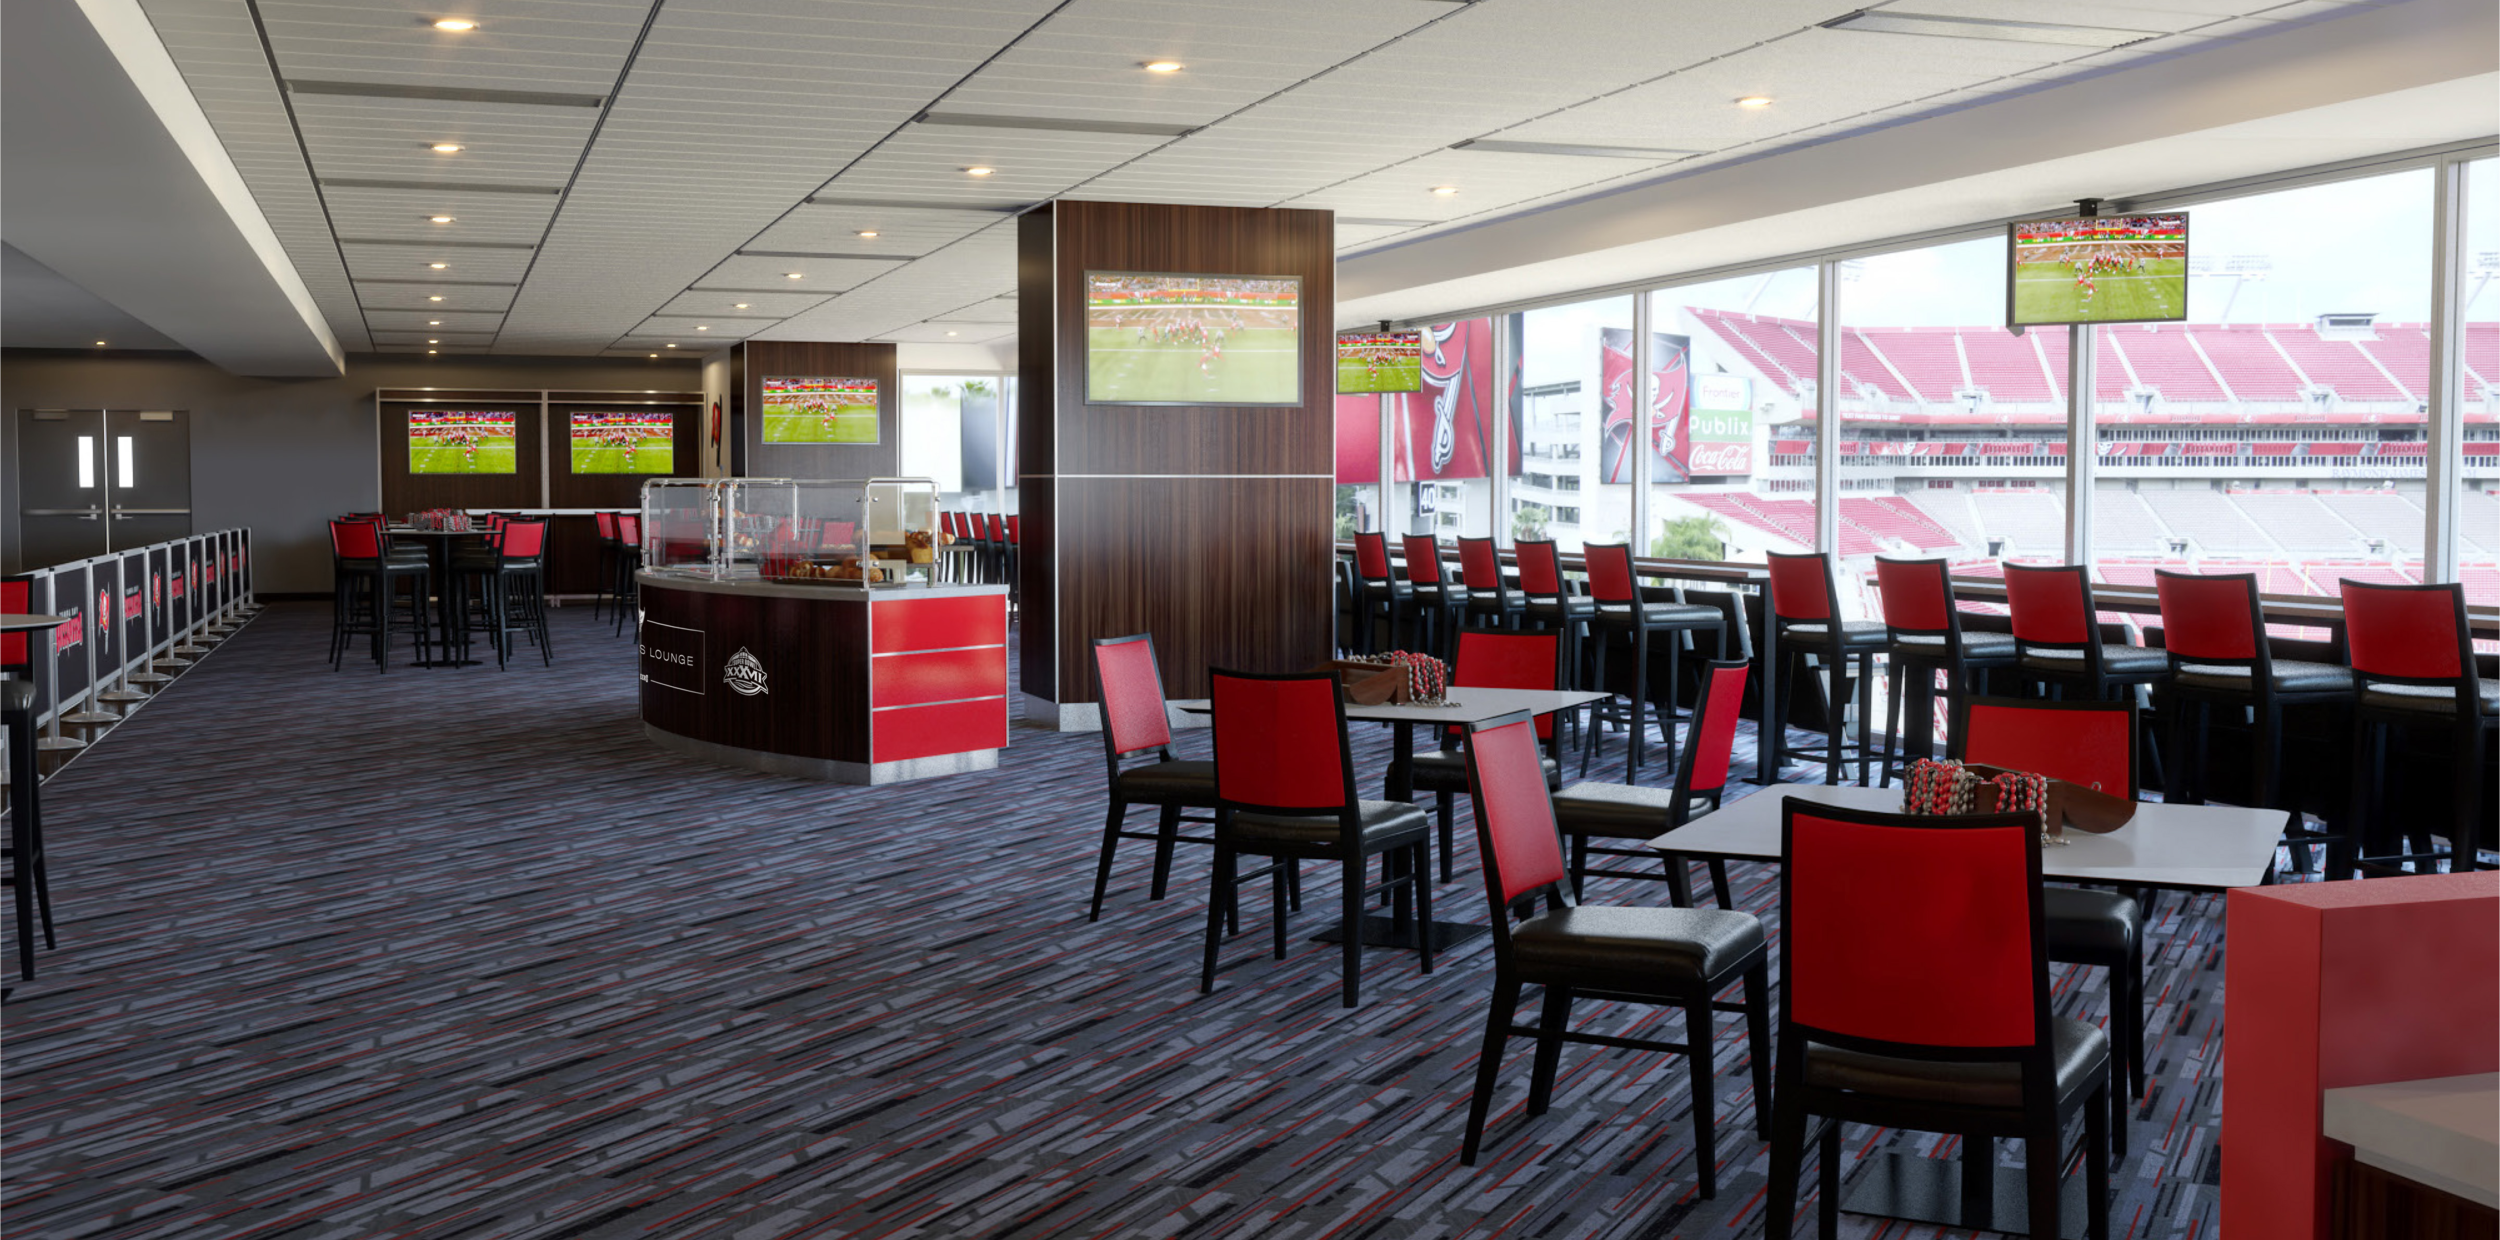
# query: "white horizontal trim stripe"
995, 697
888, 654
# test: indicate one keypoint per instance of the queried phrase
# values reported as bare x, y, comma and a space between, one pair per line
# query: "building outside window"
1559, 427
1731, 428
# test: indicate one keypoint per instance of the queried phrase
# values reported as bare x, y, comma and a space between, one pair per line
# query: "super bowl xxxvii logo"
744, 674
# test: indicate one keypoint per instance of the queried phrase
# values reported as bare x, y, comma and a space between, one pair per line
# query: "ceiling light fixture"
702, 327
433, 342
978, 171
740, 306
1994, 28
434, 322
433, 350
457, 25
867, 232
435, 297
438, 266
655, 355
440, 219
1162, 66
794, 275
1754, 101
1444, 190
668, 346
99, 344
950, 333
445, 148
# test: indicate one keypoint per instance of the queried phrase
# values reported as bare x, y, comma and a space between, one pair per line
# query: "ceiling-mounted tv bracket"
2088, 207
1384, 327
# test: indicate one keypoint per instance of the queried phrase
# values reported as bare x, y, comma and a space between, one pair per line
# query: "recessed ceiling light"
445, 148
1444, 190
433, 342
950, 333
702, 327
655, 355
434, 322
99, 344
440, 219
438, 266
978, 171
867, 232
1754, 101
740, 306
458, 25
1162, 66
435, 297
794, 275
433, 350
668, 346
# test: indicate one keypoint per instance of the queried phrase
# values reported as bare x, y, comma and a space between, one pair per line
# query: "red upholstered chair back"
1610, 572
1280, 742
1958, 962
1801, 586
355, 540
524, 540
2052, 604
998, 528
1371, 556
1514, 814
2087, 743
1491, 660
1713, 738
629, 529
1015, 530
2408, 633
1917, 595
1423, 559
1540, 568
13, 601
1479, 565
2215, 618
606, 523
1131, 689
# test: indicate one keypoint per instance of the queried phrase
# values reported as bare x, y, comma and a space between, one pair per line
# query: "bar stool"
628, 563
605, 522
1439, 601
1379, 595
1620, 609
365, 582
1548, 601
1922, 636
509, 589
2413, 665
2215, 631
1490, 601
26, 877
2057, 635
1805, 614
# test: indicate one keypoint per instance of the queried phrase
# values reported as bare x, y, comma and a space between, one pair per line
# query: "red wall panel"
909, 732
938, 623
937, 676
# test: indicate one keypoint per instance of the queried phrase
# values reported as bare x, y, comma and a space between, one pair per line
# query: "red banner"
1445, 431
133, 604
1669, 432
69, 635
1358, 441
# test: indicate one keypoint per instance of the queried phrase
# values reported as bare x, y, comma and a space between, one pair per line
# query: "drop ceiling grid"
974, 269
571, 46
389, 139
411, 263
393, 214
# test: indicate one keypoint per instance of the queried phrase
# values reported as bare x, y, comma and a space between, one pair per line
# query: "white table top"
1475, 706
14, 622
2443, 1132
2194, 847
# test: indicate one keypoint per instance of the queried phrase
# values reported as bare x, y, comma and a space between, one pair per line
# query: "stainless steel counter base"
870, 773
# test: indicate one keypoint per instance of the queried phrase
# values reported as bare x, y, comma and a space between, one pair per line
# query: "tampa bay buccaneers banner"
1445, 430
1669, 429
1358, 440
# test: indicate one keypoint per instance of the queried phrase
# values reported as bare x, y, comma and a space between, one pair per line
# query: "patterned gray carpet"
458, 954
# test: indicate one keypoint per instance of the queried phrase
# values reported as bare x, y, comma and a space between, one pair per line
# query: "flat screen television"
1380, 362
820, 410
1159, 339
624, 443
462, 441
2097, 269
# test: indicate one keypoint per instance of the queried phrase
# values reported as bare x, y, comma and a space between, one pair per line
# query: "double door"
92, 481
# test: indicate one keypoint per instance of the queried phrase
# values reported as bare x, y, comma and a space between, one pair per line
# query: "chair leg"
1449, 831
1219, 888
1588, 751
1718, 879
1866, 716
1699, 1042
1351, 880
1421, 870
1102, 864
1827, 1200
1579, 865
1835, 712
2465, 835
1679, 879
1639, 738
1497, 1024
2095, 1167
1167, 838
1788, 1146
1549, 1045
1276, 901
1758, 1044
1893, 720
2040, 1173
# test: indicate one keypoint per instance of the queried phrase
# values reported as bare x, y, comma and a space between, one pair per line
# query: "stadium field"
1404, 375
851, 424
1260, 366
492, 458
2047, 293
652, 455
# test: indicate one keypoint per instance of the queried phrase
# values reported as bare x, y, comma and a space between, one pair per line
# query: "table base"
1382, 930
1929, 1190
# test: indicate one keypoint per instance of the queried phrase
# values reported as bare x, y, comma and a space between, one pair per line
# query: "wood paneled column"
1207, 526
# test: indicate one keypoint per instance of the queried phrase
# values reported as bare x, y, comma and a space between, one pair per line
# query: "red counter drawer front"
937, 623
907, 732
937, 676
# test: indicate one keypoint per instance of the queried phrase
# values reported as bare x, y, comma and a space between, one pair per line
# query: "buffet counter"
856, 684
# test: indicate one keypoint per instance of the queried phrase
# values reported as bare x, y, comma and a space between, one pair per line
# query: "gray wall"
279, 455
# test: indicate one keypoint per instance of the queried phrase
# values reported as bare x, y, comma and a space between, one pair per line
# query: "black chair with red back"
2058, 639
506, 584
1381, 598
1940, 1021
2093, 745
30, 883
1439, 599
1805, 615
605, 523
1489, 661
1622, 612
1491, 601
365, 593
1548, 602
1923, 636
1627, 815
628, 563
1673, 957
1284, 786
2214, 630
2413, 667
1136, 723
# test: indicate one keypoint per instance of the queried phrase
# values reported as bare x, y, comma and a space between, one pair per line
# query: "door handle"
84, 514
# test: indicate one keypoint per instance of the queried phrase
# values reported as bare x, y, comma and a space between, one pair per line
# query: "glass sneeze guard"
846, 532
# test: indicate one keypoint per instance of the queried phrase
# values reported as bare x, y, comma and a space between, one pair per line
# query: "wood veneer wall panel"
780, 359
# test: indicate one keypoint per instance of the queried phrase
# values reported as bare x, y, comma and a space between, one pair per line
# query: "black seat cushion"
2427, 699
1619, 811
2091, 927
1445, 770
1386, 824
1561, 605
1977, 648
1854, 634
17, 696
2290, 676
1613, 949
2116, 660
2081, 1054
1180, 782
1655, 615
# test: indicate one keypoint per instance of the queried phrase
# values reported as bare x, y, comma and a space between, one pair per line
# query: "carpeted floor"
459, 954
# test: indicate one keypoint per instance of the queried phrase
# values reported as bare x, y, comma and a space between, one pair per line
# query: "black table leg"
1383, 931
1770, 721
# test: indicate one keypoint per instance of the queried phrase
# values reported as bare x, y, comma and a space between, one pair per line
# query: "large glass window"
1562, 477
1441, 438
954, 430
2280, 430
2478, 498
1730, 432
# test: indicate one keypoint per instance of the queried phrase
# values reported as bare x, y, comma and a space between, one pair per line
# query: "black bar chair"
1805, 608
2413, 666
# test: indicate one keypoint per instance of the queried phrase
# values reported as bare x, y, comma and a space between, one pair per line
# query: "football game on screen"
461, 442
1192, 340
1369, 362
624, 443
2099, 269
818, 410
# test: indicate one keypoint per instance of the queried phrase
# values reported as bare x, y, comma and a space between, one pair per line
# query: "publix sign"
1722, 421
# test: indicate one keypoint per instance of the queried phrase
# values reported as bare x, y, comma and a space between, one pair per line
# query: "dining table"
2190, 848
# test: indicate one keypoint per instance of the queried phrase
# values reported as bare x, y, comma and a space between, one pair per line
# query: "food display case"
878, 532
802, 627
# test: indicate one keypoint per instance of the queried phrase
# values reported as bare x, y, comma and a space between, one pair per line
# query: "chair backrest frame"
1423, 560
1925, 588
1711, 742
1348, 811
2453, 639
1493, 761
1371, 558
1111, 729
1792, 571
2231, 592
1540, 568
1469, 673
1965, 730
